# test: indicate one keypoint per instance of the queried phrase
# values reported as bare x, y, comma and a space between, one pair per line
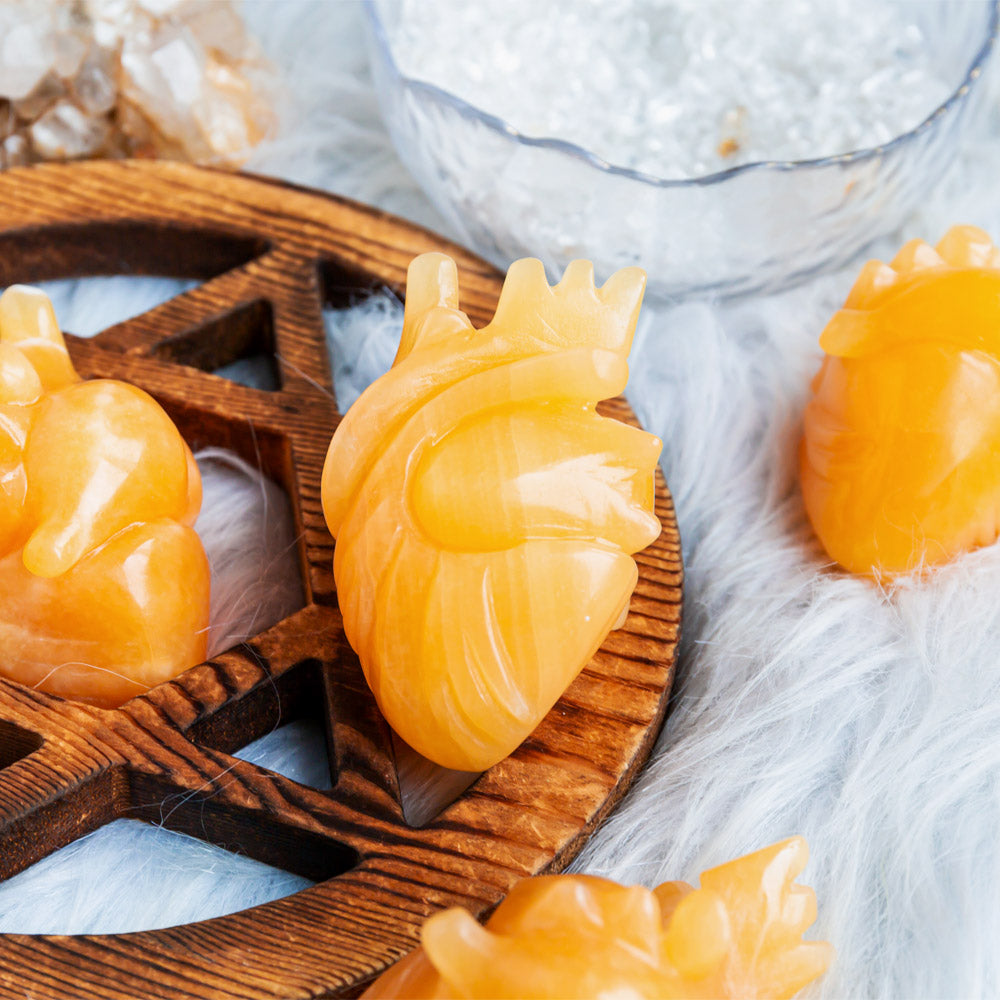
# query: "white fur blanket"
807, 701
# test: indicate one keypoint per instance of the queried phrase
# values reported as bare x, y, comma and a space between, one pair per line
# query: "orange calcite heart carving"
485, 515
900, 461
555, 936
104, 583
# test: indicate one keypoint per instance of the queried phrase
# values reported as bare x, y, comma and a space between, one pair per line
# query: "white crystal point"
14, 151
65, 132
26, 50
94, 86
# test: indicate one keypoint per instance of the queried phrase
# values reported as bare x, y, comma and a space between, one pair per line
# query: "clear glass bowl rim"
467, 110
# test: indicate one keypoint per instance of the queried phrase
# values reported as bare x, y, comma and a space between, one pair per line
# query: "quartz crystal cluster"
170, 78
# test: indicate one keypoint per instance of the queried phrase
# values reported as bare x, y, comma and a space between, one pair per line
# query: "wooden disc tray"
270, 257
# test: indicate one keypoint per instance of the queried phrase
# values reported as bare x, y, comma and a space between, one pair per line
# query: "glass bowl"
758, 226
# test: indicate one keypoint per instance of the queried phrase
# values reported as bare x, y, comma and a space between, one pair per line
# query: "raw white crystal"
113, 20
218, 26
221, 115
65, 132
94, 86
160, 8
14, 151
70, 39
26, 54
163, 75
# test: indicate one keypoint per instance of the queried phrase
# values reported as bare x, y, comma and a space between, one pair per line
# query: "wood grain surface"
270, 257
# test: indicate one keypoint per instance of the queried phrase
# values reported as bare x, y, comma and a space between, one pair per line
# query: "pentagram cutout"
269, 258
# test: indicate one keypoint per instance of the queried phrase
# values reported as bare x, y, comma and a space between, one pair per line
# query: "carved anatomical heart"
739, 936
485, 514
104, 585
900, 463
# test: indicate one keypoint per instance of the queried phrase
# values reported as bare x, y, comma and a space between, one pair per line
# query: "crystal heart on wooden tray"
270, 257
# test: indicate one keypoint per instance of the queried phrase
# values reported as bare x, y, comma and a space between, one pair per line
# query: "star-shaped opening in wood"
270, 257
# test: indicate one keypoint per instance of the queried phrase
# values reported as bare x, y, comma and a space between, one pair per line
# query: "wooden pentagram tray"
270, 257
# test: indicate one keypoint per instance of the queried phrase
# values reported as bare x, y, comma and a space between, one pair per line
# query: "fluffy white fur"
806, 701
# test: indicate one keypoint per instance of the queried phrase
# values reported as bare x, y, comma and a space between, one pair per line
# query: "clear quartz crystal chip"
113, 20
163, 76
217, 26
26, 52
812, 79
65, 132
14, 151
94, 86
69, 42
159, 8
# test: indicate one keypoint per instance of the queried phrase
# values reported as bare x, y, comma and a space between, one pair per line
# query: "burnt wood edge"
189, 175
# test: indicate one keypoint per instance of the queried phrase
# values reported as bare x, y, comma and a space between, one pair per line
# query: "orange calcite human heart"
900, 462
556, 936
104, 585
485, 515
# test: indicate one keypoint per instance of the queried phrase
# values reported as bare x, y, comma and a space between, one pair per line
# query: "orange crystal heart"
485, 514
900, 461
104, 583
738, 936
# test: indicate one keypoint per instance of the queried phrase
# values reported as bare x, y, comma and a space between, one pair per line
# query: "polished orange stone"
555, 936
900, 460
104, 585
485, 515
